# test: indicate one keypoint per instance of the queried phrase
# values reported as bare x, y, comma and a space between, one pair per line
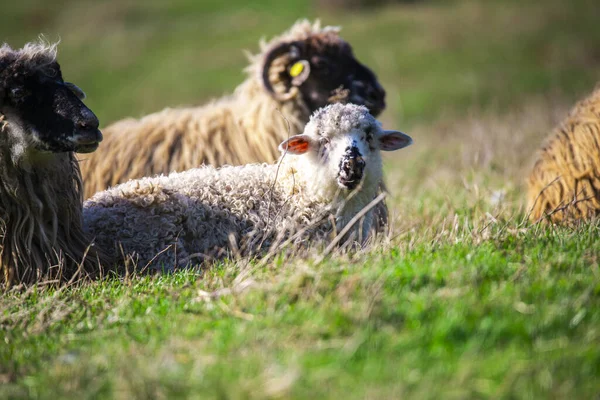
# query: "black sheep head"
45, 112
324, 70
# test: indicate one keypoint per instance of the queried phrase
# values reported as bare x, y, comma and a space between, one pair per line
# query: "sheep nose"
348, 165
87, 120
353, 166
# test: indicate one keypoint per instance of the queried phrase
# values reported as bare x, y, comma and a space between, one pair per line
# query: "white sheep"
332, 170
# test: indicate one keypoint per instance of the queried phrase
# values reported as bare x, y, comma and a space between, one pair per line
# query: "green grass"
464, 300
514, 317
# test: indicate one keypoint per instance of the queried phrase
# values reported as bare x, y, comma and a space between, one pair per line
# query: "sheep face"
342, 145
45, 113
324, 71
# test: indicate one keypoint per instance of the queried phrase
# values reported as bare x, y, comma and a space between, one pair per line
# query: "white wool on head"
343, 125
35, 54
340, 117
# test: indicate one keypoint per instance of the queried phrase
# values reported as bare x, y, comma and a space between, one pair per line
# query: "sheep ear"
298, 144
75, 89
394, 140
299, 72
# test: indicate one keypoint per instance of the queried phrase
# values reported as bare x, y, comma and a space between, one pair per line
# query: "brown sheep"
296, 73
565, 182
42, 122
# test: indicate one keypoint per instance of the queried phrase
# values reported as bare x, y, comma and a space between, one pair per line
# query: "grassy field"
465, 299
513, 315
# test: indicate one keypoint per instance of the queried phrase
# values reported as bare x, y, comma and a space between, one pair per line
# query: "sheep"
331, 171
43, 121
564, 185
296, 73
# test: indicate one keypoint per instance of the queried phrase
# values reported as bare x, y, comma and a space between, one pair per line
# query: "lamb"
296, 73
328, 173
43, 121
564, 185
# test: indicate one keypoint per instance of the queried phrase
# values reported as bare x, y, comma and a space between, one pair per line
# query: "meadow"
464, 299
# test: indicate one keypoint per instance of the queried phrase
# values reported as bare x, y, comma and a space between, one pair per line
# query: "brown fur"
565, 182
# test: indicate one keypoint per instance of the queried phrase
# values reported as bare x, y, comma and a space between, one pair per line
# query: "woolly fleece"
564, 185
206, 213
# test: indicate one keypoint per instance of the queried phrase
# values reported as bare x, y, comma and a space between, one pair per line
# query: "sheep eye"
324, 148
18, 93
320, 64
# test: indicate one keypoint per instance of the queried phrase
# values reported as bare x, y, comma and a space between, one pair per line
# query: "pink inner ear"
391, 141
297, 145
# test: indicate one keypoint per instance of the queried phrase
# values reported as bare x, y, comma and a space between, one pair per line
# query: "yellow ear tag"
296, 69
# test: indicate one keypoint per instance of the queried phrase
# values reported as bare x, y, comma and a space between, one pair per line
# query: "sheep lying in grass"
296, 73
565, 182
42, 121
331, 171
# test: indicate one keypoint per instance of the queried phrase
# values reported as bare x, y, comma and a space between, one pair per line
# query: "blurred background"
478, 84
434, 58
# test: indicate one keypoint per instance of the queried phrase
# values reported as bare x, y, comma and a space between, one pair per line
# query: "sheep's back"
156, 144
189, 216
565, 181
234, 130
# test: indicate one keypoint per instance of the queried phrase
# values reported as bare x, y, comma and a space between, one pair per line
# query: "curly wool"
565, 182
172, 221
185, 217
241, 128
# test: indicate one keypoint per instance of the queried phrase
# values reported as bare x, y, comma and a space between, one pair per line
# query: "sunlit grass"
516, 315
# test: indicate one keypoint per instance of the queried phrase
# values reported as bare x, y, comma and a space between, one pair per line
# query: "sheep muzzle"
86, 140
351, 170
